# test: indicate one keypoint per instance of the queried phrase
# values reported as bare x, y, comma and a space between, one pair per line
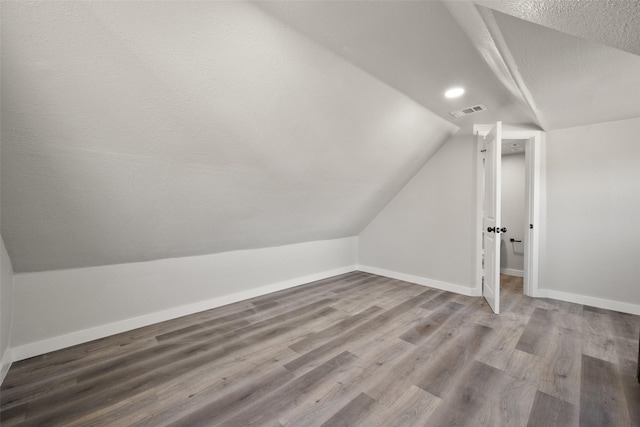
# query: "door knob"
503, 230
491, 229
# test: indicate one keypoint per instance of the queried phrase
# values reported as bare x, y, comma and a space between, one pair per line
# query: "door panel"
491, 217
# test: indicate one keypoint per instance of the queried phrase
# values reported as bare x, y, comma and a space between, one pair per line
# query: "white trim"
6, 364
445, 286
477, 262
606, 304
62, 341
512, 272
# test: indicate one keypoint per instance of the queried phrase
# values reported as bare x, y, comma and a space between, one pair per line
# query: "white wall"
593, 215
589, 245
55, 309
6, 310
513, 207
425, 234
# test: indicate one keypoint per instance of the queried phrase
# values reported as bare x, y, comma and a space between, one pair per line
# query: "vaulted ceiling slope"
524, 72
416, 47
571, 81
134, 131
574, 82
614, 23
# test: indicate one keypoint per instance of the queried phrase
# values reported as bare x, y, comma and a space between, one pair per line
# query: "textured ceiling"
574, 82
135, 131
614, 23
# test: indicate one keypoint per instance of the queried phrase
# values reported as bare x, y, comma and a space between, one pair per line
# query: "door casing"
534, 200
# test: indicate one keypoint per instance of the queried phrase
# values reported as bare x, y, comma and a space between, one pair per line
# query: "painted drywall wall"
513, 207
6, 310
56, 309
593, 206
425, 234
136, 131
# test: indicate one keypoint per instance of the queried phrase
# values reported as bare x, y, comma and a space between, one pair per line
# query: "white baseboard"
445, 286
512, 272
56, 343
6, 364
624, 307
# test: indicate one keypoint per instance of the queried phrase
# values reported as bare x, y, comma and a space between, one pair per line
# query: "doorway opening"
531, 142
513, 183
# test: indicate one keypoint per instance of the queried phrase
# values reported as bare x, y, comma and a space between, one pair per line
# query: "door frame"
534, 200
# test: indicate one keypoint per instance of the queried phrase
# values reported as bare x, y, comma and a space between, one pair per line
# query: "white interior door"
491, 217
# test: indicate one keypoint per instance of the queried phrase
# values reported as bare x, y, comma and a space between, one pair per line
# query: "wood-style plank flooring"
352, 350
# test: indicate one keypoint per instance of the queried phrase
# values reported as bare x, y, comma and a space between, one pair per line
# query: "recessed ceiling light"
454, 92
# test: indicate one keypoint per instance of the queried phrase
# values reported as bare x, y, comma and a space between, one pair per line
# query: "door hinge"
530, 226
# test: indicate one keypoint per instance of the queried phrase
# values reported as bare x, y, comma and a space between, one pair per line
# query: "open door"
491, 217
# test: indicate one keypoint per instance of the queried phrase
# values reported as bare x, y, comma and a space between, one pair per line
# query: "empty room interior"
320, 213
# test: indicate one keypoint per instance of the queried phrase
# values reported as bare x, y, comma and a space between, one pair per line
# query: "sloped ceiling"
134, 131
614, 23
574, 82
414, 46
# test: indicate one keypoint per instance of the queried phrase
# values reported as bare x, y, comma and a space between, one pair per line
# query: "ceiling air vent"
468, 110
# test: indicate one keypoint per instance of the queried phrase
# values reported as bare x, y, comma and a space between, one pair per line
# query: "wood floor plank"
534, 340
230, 403
193, 393
631, 387
525, 366
136, 379
356, 349
215, 323
602, 396
624, 325
524, 307
414, 408
468, 395
303, 290
362, 281
550, 411
423, 329
597, 340
398, 376
386, 300
121, 412
499, 351
351, 413
438, 300
509, 406
355, 301
561, 372
359, 332
331, 332
446, 366
456, 325
267, 409
398, 294
626, 349
320, 406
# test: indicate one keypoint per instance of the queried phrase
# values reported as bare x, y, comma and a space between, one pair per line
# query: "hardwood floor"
353, 350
